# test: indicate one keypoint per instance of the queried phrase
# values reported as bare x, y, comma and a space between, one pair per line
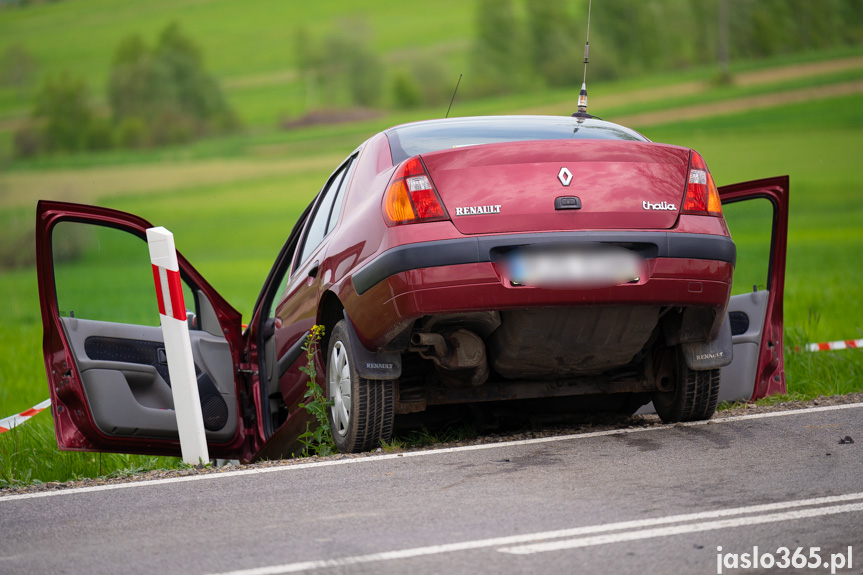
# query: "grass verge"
29, 455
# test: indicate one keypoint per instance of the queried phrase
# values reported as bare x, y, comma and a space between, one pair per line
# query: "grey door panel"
127, 384
117, 411
208, 319
738, 379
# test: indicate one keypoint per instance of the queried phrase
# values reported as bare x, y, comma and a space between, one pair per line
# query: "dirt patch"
318, 117
257, 80
741, 104
86, 185
798, 71
753, 78
585, 424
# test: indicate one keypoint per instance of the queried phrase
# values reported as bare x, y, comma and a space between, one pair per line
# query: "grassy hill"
231, 201
249, 46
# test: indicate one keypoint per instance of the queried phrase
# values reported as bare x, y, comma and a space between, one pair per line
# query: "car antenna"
453, 96
581, 114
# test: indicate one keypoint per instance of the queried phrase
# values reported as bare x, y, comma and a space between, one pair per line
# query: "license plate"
565, 267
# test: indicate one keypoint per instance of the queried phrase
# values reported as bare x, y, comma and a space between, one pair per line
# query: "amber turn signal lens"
398, 204
701, 197
411, 196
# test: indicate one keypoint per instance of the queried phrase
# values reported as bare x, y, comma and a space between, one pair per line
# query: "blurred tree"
554, 37
435, 83
166, 90
18, 69
406, 93
850, 14
308, 64
185, 84
132, 80
499, 59
422, 82
61, 109
341, 70
365, 73
631, 33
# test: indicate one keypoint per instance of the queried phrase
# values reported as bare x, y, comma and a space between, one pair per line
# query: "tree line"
161, 94
529, 45
157, 95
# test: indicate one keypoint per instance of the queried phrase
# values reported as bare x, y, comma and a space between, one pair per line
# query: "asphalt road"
654, 500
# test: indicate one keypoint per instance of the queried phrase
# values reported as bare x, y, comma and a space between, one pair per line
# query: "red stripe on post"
158, 289
175, 287
851, 343
823, 347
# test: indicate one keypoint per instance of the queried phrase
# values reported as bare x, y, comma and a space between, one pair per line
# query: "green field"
232, 231
231, 201
249, 46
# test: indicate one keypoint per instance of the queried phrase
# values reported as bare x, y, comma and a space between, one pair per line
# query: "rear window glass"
424, 137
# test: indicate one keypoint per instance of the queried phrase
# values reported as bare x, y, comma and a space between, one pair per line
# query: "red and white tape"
8, 423
834, 345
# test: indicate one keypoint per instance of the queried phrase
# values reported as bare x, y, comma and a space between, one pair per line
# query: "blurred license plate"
585, 266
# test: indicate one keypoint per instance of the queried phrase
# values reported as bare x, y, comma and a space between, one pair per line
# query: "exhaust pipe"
459, 356
434, 340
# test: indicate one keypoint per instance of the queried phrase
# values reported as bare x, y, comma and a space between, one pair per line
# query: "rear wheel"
363, 410
693, 398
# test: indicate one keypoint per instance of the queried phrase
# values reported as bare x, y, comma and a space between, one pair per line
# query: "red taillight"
411, 196
702, 197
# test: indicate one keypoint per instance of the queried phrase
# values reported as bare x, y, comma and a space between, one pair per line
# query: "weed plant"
317, 440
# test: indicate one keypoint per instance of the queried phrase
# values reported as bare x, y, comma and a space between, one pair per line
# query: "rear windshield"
423, 137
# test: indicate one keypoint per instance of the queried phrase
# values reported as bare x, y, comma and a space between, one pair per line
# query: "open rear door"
104, 354
757, 217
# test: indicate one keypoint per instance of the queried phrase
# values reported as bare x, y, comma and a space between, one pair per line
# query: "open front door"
757, 217
104, 354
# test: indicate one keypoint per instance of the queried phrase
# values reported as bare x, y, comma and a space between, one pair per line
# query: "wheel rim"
339, 388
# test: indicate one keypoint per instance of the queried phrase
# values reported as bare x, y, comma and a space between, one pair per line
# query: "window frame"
342, 183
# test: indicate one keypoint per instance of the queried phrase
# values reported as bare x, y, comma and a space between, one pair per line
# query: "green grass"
29, 454
81, 37
232, 230
248, 47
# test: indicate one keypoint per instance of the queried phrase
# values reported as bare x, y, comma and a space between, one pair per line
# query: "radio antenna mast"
582, 95
453, 96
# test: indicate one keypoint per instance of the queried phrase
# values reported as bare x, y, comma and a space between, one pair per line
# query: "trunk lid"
514, 186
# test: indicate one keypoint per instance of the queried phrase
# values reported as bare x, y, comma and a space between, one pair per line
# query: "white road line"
680, 529
536, 542
427, 452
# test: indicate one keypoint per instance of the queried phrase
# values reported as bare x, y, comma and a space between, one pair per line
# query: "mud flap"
385, 365
714, 354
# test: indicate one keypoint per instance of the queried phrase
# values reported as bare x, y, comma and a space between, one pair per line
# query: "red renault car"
451, 261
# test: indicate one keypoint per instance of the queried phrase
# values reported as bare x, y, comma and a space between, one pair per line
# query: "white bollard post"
178, 346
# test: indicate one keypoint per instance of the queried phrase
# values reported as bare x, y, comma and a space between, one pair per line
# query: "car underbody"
542, 352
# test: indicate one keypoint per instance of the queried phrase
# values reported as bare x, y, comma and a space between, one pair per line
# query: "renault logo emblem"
565, 176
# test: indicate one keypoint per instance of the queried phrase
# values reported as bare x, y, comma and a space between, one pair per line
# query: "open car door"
104, 354
757, 217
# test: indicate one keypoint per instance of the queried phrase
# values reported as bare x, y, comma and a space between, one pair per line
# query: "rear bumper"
391, 304
483, 249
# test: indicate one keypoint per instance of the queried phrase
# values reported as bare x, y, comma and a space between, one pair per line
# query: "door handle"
313, 271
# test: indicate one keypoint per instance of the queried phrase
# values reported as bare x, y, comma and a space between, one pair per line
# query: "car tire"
363, 409
694, 397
